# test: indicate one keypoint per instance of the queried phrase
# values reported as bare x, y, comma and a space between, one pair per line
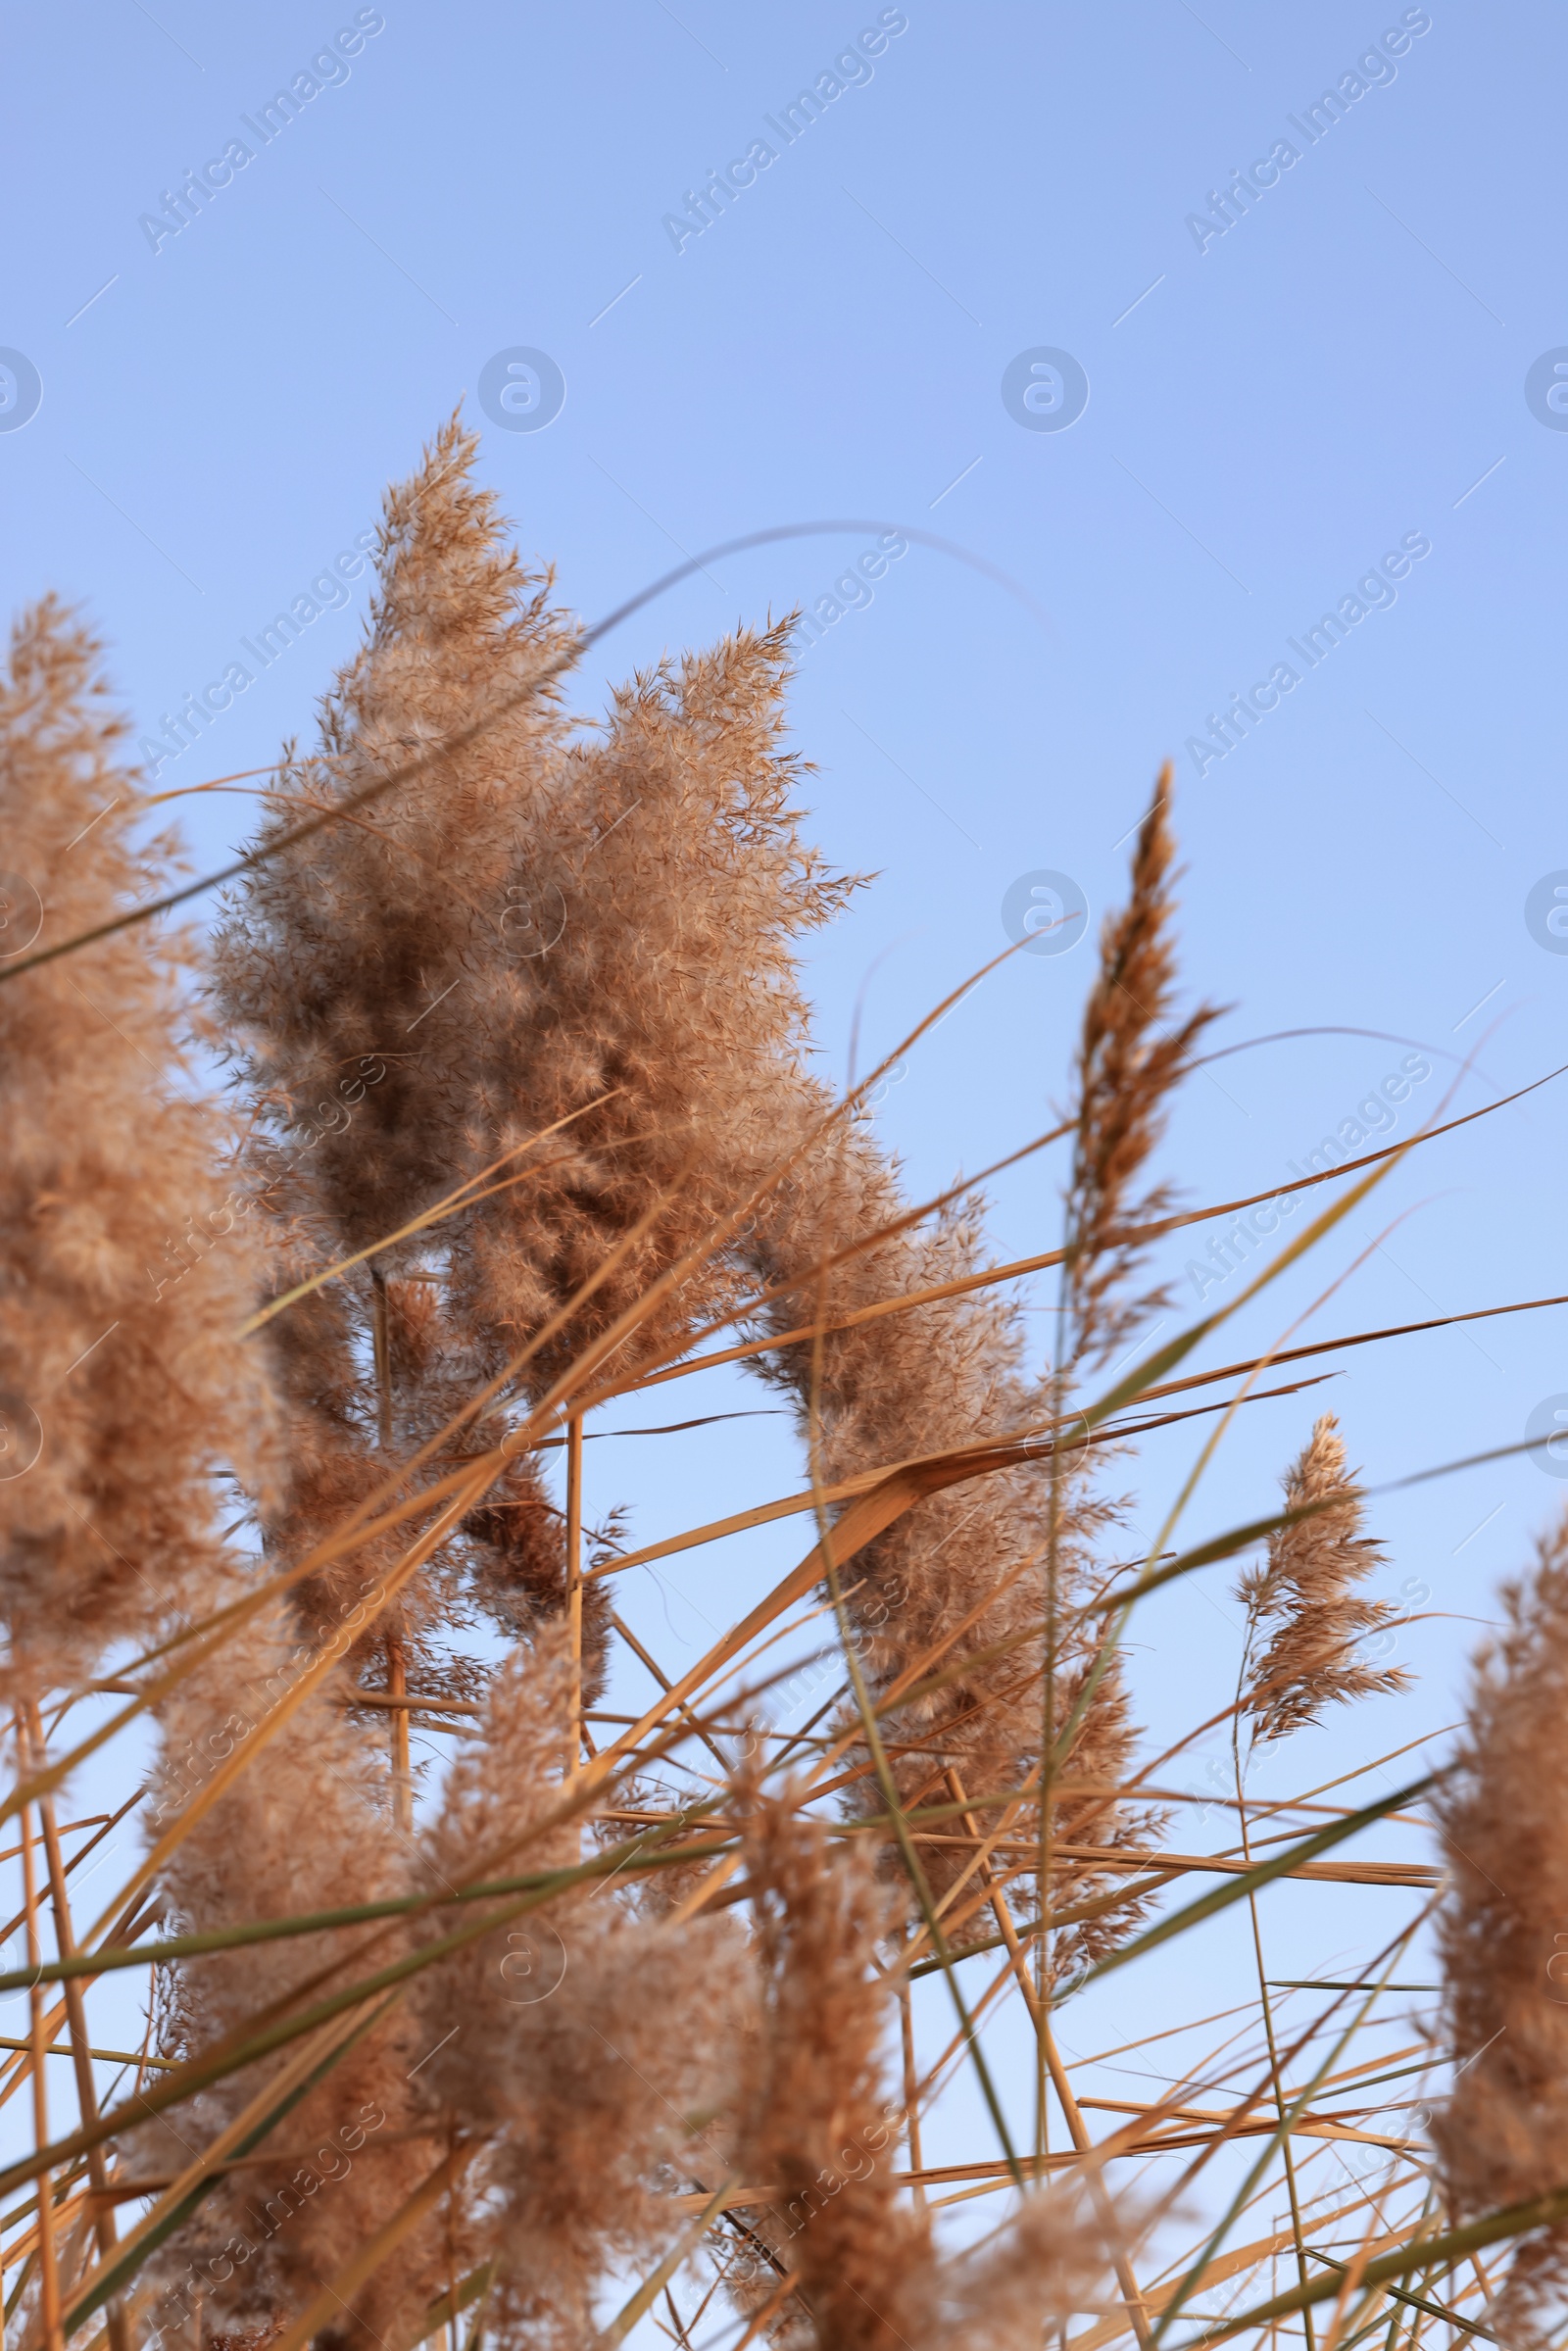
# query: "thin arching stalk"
49, 2275
81, 2050
1275, 2079
575, 1586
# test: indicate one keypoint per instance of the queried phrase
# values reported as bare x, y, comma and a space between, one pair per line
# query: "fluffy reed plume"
555, 896
319, 1350
1502, 2131
822, 2132
1044, 2267
962, 1573
123, 1268
1132, 1052
305, 1827
528, 926
326, 963
1303, 1617
585, 2050
678, 857
821, 2127
335, 952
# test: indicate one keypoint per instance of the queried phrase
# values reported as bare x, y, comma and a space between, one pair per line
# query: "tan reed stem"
1040, 2017
48, 2271
81, 2044
397, 1684
383, 1357
1301, 2269
911, 2094
698, 1728
574, 1588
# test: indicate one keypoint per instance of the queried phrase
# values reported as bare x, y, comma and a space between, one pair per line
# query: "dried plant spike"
543, 934
306, 1827
1131, 1052
820, 2116
335, 955
125, 1258
589, 2048
49, 2275
1503, 1937
1304, 1617
1051, 2261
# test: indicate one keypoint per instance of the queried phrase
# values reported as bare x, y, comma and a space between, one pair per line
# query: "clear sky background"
1270, 410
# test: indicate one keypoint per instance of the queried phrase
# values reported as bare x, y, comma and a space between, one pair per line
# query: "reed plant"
490, 1102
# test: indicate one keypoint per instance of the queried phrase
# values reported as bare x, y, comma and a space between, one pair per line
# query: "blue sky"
1275, 404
